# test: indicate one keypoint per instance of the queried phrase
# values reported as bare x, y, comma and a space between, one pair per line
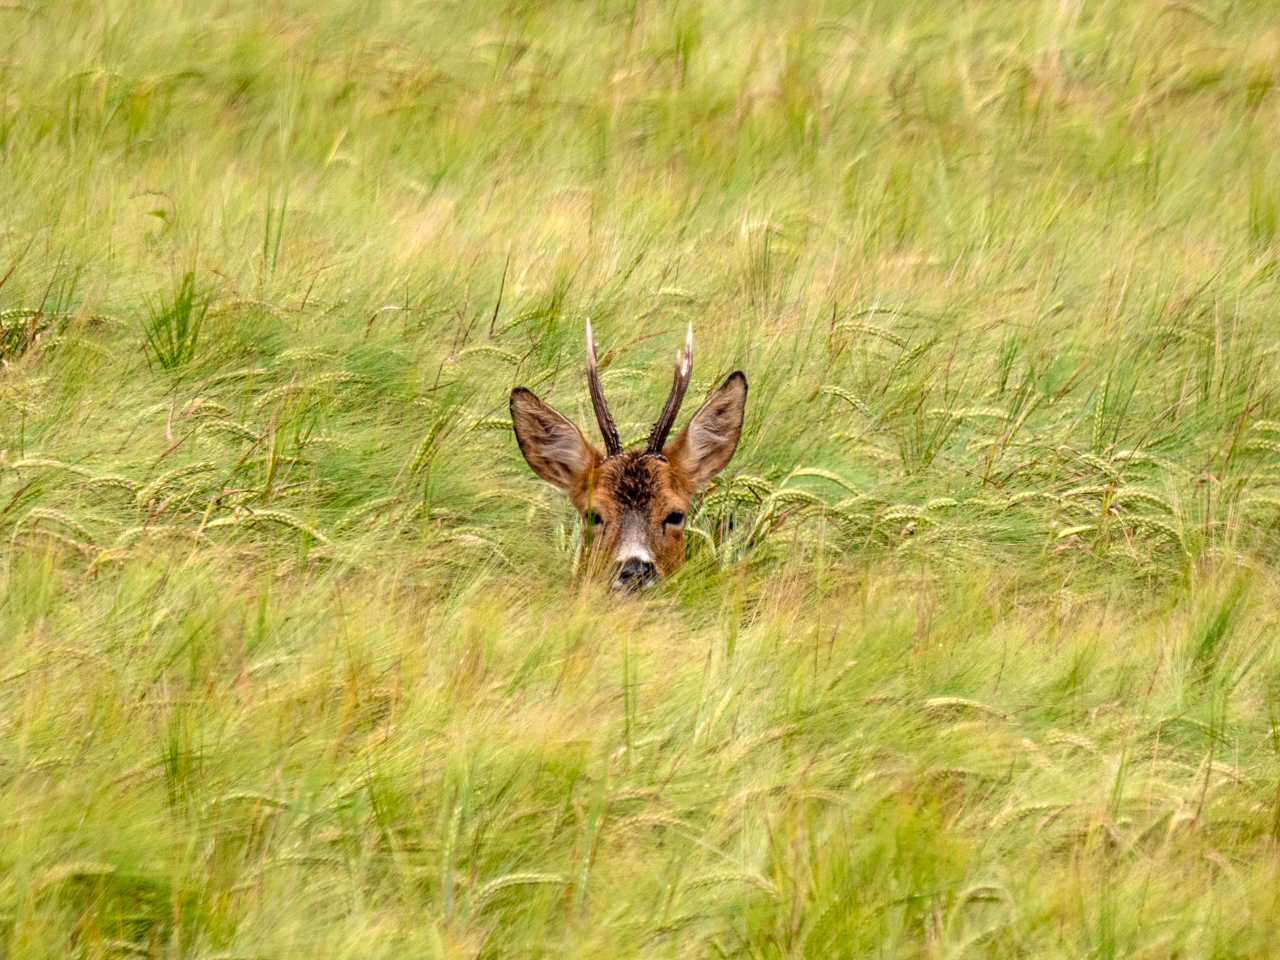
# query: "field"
974, 652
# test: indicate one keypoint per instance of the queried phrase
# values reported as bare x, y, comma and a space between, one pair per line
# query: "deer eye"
593, 518
674, 519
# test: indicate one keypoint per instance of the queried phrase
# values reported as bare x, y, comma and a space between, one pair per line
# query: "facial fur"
635, 506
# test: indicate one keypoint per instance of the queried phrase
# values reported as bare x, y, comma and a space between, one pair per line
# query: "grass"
173, 328
973, 655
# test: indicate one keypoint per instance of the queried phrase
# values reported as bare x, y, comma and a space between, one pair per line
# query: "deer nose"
634, 573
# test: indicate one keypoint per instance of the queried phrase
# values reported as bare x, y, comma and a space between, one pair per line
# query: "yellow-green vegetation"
974, 652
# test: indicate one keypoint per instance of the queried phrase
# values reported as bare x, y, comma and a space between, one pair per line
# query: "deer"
633, 503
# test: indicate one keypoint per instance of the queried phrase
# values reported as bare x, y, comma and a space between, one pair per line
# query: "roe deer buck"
633, 505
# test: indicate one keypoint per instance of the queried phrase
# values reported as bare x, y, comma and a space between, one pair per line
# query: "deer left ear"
706, 444
553, 447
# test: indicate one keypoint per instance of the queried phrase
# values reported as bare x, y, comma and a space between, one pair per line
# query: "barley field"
974, 651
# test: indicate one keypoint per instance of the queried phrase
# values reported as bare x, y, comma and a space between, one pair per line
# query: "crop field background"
974, 653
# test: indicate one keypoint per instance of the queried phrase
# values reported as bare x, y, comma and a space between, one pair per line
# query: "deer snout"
634, 573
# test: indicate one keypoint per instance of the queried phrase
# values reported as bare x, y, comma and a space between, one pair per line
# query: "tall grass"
973, 653
172, 328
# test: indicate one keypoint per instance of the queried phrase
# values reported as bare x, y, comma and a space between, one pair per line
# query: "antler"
612, 445
684, 372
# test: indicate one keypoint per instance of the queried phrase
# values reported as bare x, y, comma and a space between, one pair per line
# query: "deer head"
633, 504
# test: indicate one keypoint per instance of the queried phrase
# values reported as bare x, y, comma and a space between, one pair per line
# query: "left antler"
684, 372
612, 445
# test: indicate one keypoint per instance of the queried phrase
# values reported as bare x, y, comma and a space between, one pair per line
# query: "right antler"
612, 445
684, 371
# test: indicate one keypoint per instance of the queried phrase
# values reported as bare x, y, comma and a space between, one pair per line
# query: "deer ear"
553, 446
706, 444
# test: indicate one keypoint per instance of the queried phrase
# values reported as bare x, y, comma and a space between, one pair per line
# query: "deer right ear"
706, 444
552, 446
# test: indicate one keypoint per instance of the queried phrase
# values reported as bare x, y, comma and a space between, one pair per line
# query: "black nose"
635, 573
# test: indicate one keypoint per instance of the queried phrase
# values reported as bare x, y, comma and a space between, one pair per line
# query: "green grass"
974, 653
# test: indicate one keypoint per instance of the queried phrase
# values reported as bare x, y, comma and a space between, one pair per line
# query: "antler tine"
684, 373
612, 445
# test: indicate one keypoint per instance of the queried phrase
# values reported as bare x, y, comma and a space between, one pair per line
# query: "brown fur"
633, 494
